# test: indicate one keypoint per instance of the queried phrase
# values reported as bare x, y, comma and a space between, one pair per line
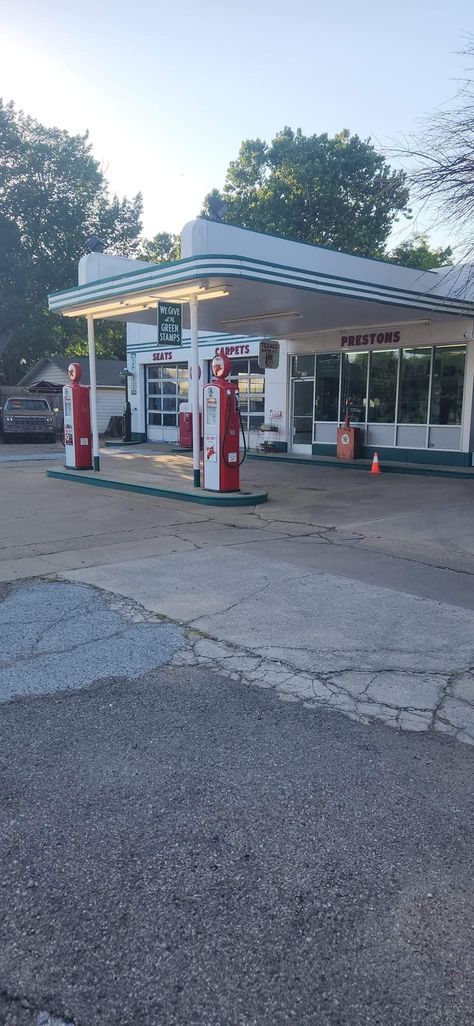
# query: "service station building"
393, 344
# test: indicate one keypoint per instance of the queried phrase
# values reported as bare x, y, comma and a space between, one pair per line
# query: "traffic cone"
375, 468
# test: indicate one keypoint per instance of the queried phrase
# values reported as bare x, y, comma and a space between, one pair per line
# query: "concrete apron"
314, 637
169, 477
134, 483
345, 591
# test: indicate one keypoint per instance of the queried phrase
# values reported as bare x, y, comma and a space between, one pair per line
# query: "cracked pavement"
178, 845
231, 785
370, 617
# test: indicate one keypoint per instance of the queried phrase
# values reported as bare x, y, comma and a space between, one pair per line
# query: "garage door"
110, 403
167, 388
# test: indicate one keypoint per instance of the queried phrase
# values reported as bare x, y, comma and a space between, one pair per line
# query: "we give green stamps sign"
169, 324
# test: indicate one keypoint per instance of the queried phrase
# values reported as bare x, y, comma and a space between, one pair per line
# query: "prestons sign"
373, 338
169, 324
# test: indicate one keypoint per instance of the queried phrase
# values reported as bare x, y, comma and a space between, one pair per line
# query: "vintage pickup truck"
22, 415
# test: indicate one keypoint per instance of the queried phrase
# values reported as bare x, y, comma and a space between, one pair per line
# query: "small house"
50, 374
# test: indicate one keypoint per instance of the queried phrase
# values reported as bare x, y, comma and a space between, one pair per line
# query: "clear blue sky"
169, 90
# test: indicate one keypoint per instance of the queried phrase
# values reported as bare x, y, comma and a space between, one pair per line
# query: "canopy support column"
193, 310
93, 393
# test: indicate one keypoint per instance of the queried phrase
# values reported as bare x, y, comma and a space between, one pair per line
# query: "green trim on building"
392, 454
121, 445
388, 467
253, 269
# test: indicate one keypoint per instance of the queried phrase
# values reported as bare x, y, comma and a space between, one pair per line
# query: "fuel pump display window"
211, 410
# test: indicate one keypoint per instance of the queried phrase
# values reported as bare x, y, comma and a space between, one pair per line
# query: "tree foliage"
53, 196
416, 252
336, 192
162, 248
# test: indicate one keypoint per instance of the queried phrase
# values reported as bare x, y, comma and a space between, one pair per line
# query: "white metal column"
467, 428
193, 310
93, 393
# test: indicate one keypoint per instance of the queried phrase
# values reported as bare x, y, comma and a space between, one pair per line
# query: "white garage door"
167, 388
110, 403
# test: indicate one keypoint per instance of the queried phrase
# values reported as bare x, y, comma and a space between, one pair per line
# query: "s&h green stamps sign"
169, 324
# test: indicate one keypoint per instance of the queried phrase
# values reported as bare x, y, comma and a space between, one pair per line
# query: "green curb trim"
120, 445
200, 497
421, 469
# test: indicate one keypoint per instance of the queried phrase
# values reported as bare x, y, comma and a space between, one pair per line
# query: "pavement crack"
251, 594
238, 602
62, 651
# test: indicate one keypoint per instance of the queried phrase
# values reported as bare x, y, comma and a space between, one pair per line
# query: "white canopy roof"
255, 283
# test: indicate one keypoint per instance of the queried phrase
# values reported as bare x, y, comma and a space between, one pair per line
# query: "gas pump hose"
226, 430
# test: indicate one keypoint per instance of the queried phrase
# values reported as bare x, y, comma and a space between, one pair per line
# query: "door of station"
302, 414
167, 388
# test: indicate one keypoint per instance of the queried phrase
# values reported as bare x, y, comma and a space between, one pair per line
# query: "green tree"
416, 252
336, 192
53, 196
163, 247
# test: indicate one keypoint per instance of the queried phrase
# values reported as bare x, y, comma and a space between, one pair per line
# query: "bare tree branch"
440, 164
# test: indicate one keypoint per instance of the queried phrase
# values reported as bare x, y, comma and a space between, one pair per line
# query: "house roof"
108, 371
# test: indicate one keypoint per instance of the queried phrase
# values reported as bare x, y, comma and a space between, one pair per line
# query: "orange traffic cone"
375, 468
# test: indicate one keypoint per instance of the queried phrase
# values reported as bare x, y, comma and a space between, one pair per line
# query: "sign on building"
268, 354
133, 377
169, 324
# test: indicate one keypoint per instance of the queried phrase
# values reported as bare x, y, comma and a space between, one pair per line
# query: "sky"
168, 91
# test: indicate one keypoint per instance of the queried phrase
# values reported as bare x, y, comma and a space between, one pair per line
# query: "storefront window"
326, 400
414, 386
383, 386
354, 386
414, 374
448, 383
302, 366
167, 388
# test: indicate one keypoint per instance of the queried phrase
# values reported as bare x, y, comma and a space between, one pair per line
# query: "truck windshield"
26, 404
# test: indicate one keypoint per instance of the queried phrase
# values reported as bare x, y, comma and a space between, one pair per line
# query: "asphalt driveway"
179, 848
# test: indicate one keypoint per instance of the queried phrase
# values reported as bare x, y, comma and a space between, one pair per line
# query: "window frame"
159, 395
396, 423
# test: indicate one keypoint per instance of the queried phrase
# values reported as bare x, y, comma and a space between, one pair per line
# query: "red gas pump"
221, 430
77, 421
185, 426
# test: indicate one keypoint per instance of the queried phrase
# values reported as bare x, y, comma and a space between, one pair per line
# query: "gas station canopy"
235, 281
257, 283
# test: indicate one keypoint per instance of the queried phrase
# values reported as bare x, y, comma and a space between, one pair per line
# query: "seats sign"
268, 354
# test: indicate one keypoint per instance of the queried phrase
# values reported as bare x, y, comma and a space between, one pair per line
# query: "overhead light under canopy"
286, 314
138, 304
